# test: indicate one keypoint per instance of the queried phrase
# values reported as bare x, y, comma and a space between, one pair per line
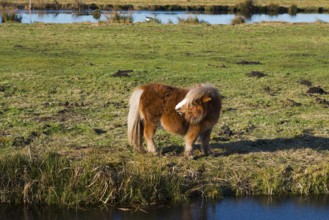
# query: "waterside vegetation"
217, 6
64, 93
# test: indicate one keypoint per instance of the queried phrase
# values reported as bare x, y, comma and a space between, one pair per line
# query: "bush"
293, 9
97, 14
8, 14
246, 8
238, 20
117, 17
273, 9
189, 20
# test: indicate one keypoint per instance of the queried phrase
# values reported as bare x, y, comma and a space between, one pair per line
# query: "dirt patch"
122, 73
305, 82
245, 62
256, 74
4, 133
226, 130
316, 90
269, 91
322, 101
250, 128
229, 109
99, 131
219, 66
117, 104
21, 141
65, 104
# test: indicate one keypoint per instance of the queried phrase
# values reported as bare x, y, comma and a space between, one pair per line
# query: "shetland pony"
191, 113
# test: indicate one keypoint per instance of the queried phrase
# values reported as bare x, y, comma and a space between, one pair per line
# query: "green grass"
56, 88
202, 5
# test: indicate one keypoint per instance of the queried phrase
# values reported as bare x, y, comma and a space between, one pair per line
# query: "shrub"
273, 9
8, 14
97, 14
189, 20
117, 17
238, 20
293, 9
246, 8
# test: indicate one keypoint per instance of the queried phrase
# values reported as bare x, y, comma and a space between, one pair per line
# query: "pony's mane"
201, 90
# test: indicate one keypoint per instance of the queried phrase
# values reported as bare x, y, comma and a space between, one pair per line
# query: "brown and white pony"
191, 113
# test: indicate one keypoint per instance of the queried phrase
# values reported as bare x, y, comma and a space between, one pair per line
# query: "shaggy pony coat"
191, 113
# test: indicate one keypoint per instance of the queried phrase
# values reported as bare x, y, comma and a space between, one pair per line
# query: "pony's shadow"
251, 146
272, 145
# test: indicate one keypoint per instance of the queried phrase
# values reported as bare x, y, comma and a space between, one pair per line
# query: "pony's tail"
135, 124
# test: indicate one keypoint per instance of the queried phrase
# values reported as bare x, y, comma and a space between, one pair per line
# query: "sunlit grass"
63, 113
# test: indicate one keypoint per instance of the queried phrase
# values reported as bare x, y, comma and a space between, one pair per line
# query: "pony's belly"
173, 126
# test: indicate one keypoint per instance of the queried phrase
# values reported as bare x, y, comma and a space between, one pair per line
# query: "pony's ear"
206, 99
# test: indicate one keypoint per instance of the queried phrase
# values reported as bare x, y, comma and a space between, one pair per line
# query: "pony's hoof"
153, 153
188, 155
208, 152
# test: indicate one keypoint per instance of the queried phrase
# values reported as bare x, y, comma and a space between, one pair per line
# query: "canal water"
67, 16
265, 208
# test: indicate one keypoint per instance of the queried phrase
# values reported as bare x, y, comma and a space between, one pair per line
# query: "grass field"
63, 113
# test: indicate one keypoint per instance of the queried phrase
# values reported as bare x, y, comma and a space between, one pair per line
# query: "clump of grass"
8, 14
118, 17
246, 8
190, 20
273, 9
293, 9
97, 14
238, 20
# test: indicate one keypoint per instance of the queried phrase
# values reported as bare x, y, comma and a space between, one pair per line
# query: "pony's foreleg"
149, 131
190, 138
205, 138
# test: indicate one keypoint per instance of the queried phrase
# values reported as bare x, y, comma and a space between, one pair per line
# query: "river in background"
264, 208
68, 16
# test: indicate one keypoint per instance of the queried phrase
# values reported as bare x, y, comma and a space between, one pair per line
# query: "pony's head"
194, 107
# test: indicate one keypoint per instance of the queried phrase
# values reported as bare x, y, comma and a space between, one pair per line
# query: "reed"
190, 20
8, 14
118, 17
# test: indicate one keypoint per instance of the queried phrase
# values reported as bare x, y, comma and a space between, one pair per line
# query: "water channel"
264, 208
67, 16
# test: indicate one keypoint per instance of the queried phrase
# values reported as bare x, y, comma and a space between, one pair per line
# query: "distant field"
63, 113
299, 3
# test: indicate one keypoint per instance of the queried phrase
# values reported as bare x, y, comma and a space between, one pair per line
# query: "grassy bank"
261, 6
63, 113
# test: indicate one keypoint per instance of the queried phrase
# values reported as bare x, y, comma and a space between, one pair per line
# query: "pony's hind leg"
139, 144
205, 138
149, 131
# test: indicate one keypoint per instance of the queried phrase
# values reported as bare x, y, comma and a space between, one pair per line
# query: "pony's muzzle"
178, 110
179, 106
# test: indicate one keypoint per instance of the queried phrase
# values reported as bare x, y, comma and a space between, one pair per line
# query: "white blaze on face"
181, 104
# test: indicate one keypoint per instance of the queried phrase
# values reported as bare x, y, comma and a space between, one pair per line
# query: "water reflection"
228, 208
67, 16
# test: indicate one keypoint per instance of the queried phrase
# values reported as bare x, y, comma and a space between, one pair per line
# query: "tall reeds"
9, 14
118, 17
